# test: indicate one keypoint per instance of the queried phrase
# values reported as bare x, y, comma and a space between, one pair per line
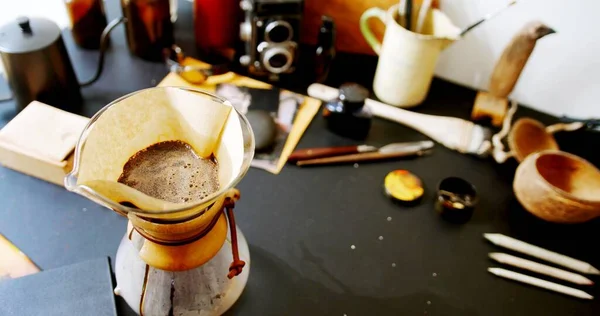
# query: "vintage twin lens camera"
271, 32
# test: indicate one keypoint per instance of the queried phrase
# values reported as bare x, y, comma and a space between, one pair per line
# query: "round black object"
278, 32
26, 35
263, 127
278, 60
456, 199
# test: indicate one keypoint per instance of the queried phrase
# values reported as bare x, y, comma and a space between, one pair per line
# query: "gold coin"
403, 185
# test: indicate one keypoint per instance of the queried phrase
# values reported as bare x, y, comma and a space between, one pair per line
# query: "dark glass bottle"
325, 52
148, 28
216, 26
88, 20
347, 115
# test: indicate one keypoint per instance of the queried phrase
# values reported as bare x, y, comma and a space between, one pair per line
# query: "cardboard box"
40, 141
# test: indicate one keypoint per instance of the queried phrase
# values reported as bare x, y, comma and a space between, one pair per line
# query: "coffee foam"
171, 171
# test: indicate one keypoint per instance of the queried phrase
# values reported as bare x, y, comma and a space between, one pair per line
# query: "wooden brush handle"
451, 132
311, 153
357, 158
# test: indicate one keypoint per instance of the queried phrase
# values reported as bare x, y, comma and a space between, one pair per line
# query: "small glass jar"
88, 20
347, 115
216, 25
148, 28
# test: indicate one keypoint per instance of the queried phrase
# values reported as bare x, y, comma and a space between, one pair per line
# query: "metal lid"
353, 92
353, 96
24, 35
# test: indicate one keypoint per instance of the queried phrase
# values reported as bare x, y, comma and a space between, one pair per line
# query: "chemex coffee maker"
179, 256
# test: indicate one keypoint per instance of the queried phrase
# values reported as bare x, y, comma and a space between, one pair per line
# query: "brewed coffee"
171, 171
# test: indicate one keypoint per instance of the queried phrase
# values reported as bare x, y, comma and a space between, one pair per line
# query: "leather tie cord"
237, 265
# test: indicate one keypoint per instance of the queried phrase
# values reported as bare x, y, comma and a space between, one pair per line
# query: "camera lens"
277, 59
278, 32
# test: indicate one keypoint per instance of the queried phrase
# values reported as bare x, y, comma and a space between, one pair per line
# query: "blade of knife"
402, 147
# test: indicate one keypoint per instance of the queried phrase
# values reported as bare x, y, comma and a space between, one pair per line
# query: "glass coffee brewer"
179, 256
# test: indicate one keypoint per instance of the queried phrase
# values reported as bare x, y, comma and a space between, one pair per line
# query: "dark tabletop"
301, 224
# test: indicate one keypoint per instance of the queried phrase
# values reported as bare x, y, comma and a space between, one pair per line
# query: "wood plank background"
346, 14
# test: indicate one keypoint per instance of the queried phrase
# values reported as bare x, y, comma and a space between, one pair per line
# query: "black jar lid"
353, 95
25, 35
456, 199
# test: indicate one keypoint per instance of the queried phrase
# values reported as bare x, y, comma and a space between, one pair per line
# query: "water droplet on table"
380, 238
84, 209
389, 219
352, 247
434, 274
428, 302
355, 165
393, 264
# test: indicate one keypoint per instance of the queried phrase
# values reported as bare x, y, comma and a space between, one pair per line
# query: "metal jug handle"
103, 45
592, 124
498, 148
566, 127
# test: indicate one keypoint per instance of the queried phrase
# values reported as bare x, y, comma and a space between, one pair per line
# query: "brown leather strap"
237, 265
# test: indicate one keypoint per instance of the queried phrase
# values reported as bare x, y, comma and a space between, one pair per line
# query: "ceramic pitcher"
407, 59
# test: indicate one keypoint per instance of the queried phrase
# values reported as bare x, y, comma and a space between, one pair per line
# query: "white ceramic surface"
205, 290
407, 60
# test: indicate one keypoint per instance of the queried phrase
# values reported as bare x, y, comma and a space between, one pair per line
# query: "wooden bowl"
528, 136
558, 187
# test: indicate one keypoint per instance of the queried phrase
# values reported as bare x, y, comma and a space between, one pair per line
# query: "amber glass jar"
88, 20
148, 27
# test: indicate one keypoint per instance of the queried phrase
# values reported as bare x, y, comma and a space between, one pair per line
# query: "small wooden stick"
489, 106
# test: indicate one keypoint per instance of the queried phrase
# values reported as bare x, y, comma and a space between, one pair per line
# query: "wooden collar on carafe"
227, 207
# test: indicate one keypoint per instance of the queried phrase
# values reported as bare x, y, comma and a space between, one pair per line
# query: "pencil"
423, 10
507, 274
540, 268
541, 253
401, 12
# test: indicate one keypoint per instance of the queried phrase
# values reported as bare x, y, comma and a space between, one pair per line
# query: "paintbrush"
408, 14
454, 133
401, 12
423, 10
486, 18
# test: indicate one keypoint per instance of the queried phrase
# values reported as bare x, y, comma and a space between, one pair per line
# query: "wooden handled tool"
312, 153
358, 158
394, 150
494, 104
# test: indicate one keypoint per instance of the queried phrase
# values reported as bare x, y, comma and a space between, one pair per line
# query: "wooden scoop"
527, 136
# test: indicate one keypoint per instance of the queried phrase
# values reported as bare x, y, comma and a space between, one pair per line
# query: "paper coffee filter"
156, 115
